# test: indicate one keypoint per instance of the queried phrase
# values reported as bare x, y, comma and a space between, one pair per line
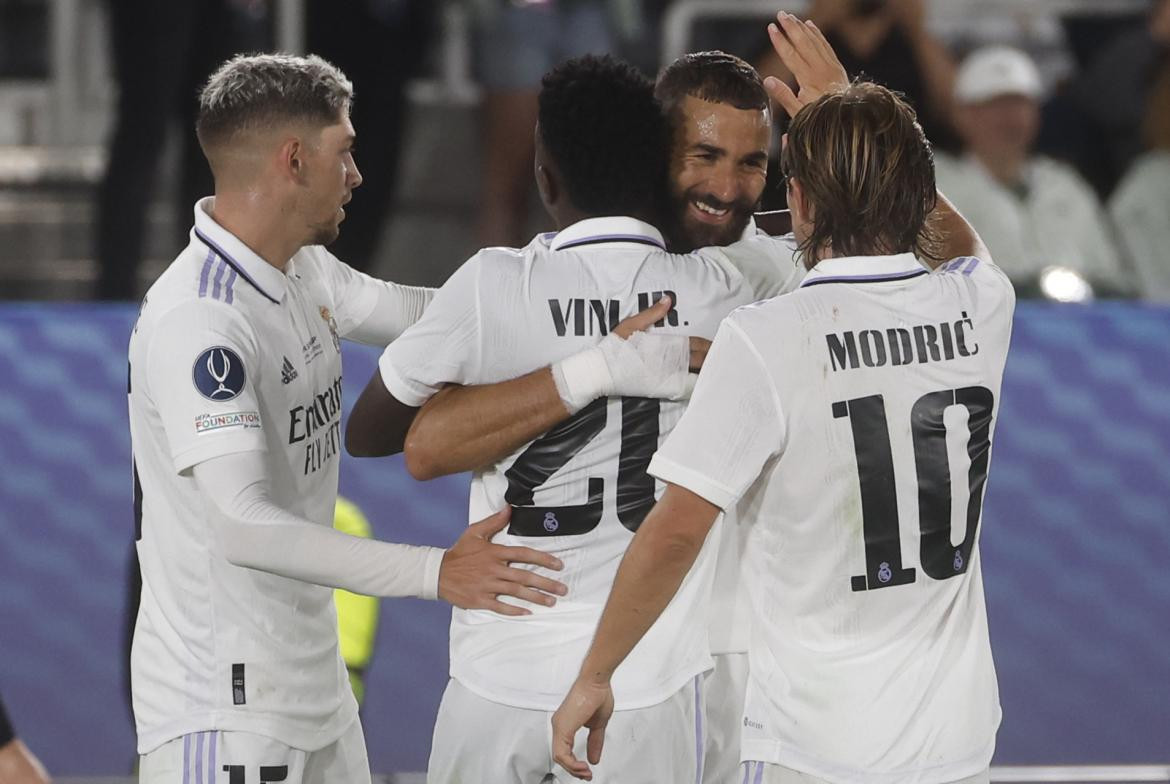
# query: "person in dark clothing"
379, 44
162, 54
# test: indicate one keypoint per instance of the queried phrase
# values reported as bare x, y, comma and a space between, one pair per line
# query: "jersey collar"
865, 269
608, 231
265, 278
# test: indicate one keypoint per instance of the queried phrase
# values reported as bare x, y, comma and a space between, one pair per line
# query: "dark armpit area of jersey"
7, 733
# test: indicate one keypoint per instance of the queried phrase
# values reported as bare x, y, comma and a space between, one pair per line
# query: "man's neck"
255, 220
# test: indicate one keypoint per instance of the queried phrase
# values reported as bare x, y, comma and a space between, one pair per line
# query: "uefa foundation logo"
218, 374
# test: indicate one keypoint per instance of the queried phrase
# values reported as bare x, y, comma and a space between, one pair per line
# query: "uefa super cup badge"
327, 317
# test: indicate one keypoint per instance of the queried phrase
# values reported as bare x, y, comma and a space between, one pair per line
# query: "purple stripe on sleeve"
698, 729
220, 267
199, 759
747, 771
971, 265
204, 273
211, 754
230, 285
759, 773
186, 759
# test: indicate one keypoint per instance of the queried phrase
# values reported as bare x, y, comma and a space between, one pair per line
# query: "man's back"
580, 490
874, 390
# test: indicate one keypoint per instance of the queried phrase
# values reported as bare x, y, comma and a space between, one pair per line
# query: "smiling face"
718, 168
331, 175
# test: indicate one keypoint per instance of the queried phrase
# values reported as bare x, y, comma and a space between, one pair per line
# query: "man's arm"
463, 428
378, 422
650, 574
251, 531
957, 236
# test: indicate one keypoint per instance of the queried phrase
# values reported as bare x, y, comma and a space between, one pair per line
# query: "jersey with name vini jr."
579, 491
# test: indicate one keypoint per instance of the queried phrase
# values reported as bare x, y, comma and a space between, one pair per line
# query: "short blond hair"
252, 92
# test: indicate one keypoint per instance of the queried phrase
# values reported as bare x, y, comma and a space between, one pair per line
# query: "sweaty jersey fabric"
580, 490
850, 423
229, 355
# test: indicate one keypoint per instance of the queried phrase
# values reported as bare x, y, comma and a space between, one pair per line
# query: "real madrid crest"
327, 317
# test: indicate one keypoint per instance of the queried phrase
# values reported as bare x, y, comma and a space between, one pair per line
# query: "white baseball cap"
994, 71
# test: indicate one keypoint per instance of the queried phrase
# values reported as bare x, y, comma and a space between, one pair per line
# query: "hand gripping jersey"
581, 490
230, 354
852, 422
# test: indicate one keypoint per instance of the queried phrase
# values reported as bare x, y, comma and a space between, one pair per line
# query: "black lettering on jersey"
648, 298
589, 316
896, 346
305, 421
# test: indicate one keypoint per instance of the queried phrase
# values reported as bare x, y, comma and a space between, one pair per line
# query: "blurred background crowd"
1051, 120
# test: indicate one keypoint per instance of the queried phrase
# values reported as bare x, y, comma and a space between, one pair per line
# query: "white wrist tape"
643, 365
582, 378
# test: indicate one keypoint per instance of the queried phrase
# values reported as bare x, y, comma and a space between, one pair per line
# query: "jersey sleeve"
202, 374
732, 426
769, 265
443, 347
369, 310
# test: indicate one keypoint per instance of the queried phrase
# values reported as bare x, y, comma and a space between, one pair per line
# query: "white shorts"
216, 757
767, 773
724, 692
477, 740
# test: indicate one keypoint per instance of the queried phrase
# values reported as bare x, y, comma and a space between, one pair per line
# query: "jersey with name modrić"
581, 490
851, 423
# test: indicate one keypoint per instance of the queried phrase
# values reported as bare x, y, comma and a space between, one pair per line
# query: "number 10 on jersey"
879, 499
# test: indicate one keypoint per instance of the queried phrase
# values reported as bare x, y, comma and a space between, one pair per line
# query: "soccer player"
235, 409
720, 123
579, 489
854, 418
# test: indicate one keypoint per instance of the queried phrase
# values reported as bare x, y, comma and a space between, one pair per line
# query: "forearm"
463, 428
253, 532
650, 574
957, 236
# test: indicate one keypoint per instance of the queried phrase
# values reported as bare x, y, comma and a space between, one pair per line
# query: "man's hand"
19, 766
588, 704
643, 320
475, 572
804, 51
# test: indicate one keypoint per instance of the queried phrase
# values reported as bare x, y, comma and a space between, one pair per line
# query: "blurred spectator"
380, 45
1141, 205
517, 42
17, 763
1102, 137
1031, 211
887, 41
162, 53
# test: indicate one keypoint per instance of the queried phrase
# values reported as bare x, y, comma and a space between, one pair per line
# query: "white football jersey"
581, 490
851, 422
230, 354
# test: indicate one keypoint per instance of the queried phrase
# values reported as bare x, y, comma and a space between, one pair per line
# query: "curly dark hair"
600, 123
867, 172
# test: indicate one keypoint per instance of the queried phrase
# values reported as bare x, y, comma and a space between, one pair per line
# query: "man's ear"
546, 184
291, 159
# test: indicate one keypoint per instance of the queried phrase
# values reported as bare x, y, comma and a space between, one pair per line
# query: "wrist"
582, 378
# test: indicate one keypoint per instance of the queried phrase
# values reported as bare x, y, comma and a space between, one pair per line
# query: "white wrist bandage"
642, 365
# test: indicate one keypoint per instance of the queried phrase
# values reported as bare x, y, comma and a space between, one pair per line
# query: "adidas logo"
287, 371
